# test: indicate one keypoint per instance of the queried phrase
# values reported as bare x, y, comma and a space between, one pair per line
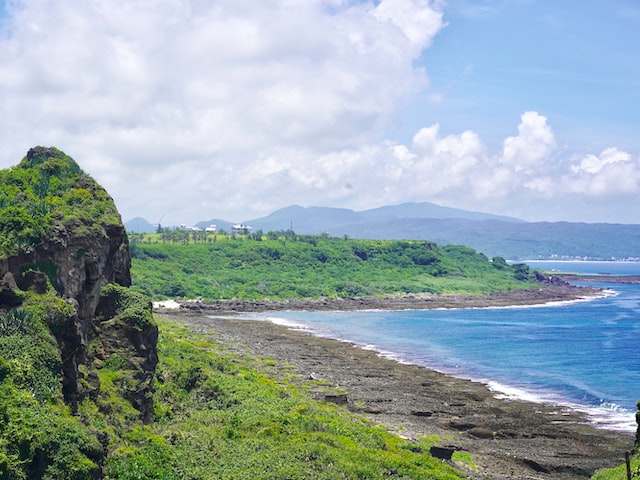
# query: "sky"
190, 110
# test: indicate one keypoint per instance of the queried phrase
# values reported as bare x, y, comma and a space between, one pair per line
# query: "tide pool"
584, 355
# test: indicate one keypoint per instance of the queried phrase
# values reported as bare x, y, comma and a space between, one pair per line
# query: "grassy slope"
313, 267
219, 416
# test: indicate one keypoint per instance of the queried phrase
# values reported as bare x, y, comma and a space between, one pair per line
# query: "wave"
602, 414
293, 325
606, 415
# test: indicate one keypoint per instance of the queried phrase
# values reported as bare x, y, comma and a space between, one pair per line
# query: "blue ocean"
583, 355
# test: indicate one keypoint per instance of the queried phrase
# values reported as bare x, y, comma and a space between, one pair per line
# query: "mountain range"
492, 235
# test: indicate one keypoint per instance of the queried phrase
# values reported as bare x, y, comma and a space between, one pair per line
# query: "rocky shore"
557, 292
508, 439
576, 277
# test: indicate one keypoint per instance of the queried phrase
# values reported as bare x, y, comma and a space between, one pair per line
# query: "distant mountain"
316, 220
305, 220
512, 240
492, 235
140, 225
428, 210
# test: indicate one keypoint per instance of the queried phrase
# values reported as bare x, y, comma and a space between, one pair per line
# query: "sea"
582, 355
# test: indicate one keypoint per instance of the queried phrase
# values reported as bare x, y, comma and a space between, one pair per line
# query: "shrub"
131, 307
14, 322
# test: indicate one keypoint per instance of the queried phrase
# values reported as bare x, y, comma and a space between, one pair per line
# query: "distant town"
237, 229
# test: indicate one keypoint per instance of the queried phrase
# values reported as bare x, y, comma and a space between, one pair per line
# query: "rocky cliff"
62, 235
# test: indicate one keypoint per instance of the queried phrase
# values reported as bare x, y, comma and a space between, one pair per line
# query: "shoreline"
555, 291
508, 438
578, 277
596, 416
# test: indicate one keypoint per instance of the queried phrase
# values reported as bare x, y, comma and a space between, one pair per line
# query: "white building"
240, 229
190, 229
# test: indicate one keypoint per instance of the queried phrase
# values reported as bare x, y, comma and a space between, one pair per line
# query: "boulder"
442, 453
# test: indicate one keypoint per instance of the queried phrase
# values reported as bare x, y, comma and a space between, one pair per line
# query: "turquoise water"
584, 355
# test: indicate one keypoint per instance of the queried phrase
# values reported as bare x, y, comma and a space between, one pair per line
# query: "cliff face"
78, 266
77, 246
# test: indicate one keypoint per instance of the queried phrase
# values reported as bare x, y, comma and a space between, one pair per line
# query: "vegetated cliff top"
46, 194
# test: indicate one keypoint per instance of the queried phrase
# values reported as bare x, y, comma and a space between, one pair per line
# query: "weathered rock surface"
79, 262
551, 290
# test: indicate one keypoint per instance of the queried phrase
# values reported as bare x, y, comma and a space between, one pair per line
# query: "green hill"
284, 265
48, 189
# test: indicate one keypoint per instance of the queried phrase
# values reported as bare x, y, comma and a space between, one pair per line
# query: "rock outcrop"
83, 247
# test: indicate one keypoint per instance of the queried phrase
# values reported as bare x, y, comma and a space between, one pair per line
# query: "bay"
583, 355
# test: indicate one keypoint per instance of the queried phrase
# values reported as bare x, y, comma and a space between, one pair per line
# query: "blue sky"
198, 109
573, 61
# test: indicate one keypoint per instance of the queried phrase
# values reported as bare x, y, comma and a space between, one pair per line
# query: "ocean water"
583, 355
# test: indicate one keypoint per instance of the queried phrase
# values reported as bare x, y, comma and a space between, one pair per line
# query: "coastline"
578, 277
547, 293
508, 438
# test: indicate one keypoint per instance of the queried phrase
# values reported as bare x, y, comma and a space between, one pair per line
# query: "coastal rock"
338, 398
528, 441
549, 291
8, 287
443, 453
78, 256
137, 346
481, 432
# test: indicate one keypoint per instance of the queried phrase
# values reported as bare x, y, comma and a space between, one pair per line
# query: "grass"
219, 417
315, 267
620, 472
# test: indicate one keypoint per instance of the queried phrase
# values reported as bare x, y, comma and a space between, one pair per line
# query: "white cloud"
459, 170
528, 151
592, 164
194, 109
213, 87
612, 173
414, 18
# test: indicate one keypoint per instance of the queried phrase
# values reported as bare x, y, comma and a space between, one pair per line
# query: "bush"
277, 270
131, 307
14, 322
43, 441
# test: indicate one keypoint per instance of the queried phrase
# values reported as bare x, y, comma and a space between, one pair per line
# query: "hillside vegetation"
282, 265
216, 415
48, 188
220, 416
79, 351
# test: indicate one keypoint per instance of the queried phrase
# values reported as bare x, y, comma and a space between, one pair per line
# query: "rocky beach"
508, 439
551, 291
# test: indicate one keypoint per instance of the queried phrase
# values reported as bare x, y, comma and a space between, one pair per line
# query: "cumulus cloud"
613, 172
459, 170
528, 151
211, 91
195, 109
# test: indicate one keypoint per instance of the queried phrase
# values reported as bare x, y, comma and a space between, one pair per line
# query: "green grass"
314, 267
218, 417
620, 472
218, 414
